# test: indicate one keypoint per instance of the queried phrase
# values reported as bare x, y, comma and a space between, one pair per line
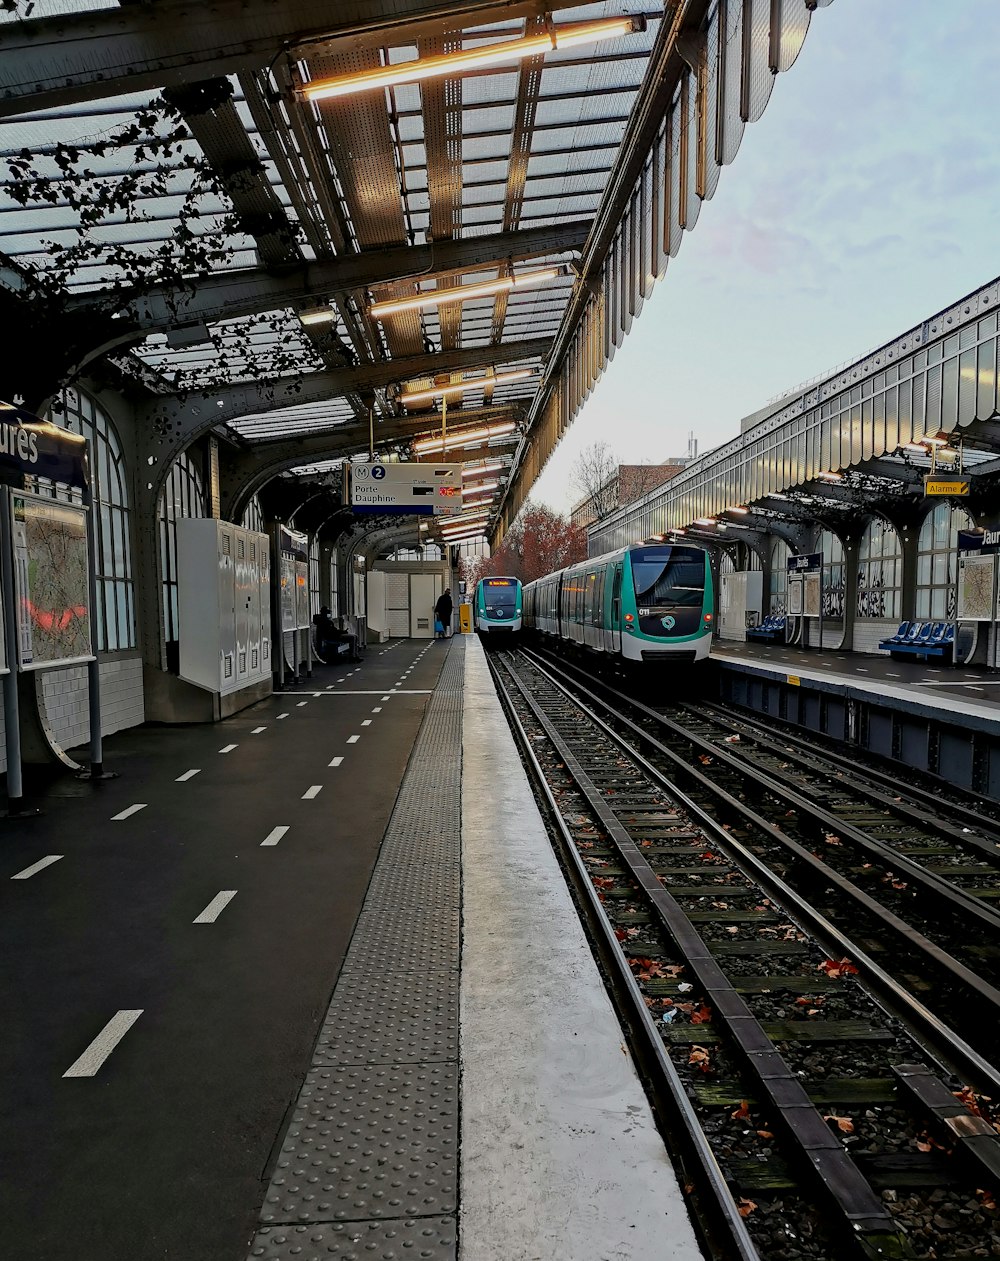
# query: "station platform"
308, 983
934, 718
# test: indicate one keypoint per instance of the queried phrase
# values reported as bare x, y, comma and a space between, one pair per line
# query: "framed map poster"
976, 582
811, 593
795, 597
50, 582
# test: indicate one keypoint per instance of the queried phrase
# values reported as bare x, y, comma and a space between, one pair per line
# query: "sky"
865, 199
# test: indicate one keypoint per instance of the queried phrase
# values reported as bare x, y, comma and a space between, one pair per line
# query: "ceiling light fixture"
704, 520
567, 36
318, 315
830, 476
742, 511
463, 293
463, 387
493, 467
480, 489
464, 438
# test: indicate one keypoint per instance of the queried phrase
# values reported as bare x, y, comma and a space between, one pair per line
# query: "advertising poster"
287, 580
50, 570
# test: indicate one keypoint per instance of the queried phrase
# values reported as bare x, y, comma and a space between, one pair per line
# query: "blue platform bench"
922, 640
770, 631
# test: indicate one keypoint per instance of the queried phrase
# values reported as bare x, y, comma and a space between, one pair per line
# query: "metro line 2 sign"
423, 489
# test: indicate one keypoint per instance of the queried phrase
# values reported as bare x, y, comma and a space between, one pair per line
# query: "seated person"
331, 640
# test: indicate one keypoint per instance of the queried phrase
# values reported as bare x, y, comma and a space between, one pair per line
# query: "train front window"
668, 577
499, 596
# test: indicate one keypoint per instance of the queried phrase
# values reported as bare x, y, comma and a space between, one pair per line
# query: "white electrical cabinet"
224, 603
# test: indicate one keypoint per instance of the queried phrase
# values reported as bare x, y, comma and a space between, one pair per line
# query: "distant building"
629, 483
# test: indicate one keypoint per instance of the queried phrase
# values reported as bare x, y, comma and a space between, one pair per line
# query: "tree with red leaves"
538, 543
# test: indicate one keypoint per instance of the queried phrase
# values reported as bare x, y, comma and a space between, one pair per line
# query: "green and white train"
647, 603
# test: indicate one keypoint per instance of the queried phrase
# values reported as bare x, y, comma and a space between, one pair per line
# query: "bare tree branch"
595, 476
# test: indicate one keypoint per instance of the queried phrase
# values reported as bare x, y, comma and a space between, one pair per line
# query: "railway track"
821, 1116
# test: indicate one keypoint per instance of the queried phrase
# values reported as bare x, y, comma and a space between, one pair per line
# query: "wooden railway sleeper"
870, 1224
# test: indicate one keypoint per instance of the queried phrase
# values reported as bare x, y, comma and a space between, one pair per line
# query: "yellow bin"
465, 618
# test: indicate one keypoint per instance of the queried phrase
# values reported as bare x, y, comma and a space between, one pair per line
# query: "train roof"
608, 556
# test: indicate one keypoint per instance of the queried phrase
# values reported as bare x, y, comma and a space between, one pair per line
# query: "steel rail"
924, 1023
737, 1238
870, 1223
973, 818
779, 787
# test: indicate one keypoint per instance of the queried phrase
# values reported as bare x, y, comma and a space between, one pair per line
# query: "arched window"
253, 516
833, 576
114, 616
183, 495
727, 563
937, 556
880, 571
780, 553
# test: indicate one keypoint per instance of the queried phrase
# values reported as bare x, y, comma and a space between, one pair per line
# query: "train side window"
616, 596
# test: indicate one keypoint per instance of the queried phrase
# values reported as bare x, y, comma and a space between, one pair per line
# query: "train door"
616, 608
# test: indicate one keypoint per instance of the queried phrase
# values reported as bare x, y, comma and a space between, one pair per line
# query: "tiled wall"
868, 631
65, 695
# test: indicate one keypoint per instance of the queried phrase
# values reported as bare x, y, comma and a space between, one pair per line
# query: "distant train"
649, 603
496, 609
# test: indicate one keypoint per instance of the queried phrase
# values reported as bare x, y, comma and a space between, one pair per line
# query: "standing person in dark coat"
442, 613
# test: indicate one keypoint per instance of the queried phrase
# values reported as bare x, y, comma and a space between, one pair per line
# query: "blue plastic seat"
937, 633
900, 635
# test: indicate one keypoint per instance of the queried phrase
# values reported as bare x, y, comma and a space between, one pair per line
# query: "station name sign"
421, 489
807, 564
946, 485
985, 541
36, 448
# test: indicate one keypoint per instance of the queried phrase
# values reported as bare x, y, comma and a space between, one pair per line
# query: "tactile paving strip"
368, 1166
418, 1238
369, 1142
420, 1021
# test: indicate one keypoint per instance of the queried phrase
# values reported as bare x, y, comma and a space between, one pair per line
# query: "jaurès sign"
32, 446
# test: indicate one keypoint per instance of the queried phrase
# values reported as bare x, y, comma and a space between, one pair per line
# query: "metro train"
496, 608
650, 603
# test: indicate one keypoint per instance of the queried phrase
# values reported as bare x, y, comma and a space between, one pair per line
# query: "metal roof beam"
227, 296
95, 54
191, 415
245, 475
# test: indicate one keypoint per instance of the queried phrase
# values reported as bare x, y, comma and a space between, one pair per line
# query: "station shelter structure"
244, 246
884, 476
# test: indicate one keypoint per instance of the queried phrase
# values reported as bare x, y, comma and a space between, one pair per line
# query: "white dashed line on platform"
215, 908
385, 698
377, 709
301, 703
36, 867
367, 722
181, 779
257, 730
102, 1046
336, 761
317, 693
353, 739
228, 748
282, 715
126, 814
275, 835
314, 791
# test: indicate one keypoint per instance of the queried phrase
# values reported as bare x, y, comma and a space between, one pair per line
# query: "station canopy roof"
404, 196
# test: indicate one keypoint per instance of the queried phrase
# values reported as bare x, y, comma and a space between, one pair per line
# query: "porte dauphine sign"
423, 489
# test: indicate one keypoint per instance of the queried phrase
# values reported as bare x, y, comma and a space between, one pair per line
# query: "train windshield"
499, 594
668, 577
